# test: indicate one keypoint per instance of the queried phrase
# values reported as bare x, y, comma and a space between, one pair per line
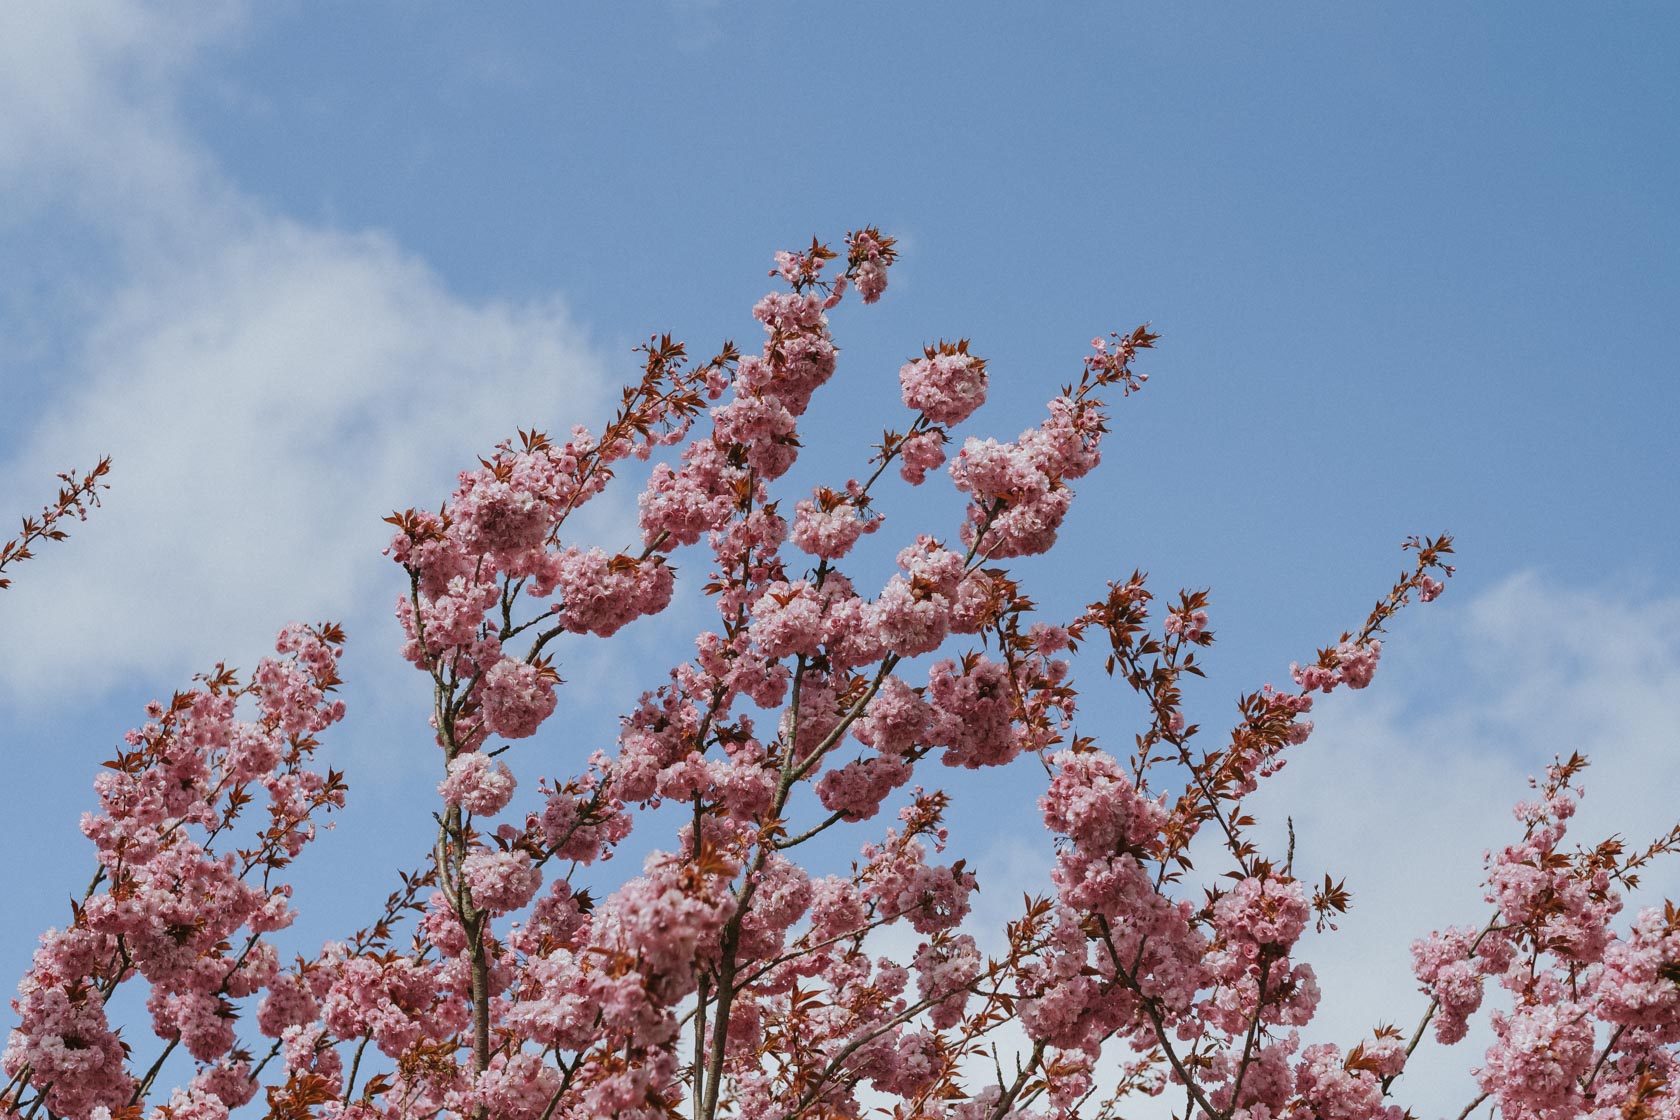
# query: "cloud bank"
268, 389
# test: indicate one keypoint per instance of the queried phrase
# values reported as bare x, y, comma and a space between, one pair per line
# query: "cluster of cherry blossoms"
184, 894
1594, 1014
725, 979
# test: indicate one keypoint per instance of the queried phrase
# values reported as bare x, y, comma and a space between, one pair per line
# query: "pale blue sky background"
1416, 269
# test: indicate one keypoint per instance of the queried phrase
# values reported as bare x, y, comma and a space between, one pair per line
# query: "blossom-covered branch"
725, 977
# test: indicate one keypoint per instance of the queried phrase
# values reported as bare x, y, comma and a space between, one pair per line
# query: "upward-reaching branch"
75, 495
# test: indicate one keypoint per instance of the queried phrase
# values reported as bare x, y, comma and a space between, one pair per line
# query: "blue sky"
1415, 269
1412, 264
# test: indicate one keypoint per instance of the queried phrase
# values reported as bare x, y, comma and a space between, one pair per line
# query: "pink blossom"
851, 634
1048, 639
1261, 914
1333, 1089
493, 516
678, 507
1014, 501
1093, 802
500, 881
856, 790
289, 1003
194, 1103
395, 1001
518, 1086
920, 453
1357, 663
516, 698
895, 719
787, 619
1314, 677
910, 619
668, 922
1189, 625
1067, 444
789, 266
1635, 988
870, 255
946, 385
227, 1081
944, 972
782, 895
974, 713
829, 533
602, 594
871, 280
1452, 966
764, 426
1538, 1058
933, 898
477, 784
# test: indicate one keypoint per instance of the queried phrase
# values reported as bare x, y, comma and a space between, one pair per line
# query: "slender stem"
1471, 1107
356, 1064
1253, 1032
145, 1083
1609, 1045
268, 1057
40, 1099
697, 1090
845, 724
1007, 1101
14, 1088
567, 1072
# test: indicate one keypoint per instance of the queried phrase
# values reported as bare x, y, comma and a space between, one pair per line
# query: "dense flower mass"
725, 978
180, 902
946, 385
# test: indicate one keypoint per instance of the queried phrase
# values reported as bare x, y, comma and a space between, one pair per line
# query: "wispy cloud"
268, 389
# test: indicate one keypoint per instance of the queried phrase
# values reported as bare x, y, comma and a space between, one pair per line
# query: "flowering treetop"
724, 978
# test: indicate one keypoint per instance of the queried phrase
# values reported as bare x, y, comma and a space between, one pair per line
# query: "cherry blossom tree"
514, 977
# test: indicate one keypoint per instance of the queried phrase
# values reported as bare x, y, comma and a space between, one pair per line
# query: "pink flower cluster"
724, 978
946, 384
477, 784
920, 453
1019, 490
1256, 925
167, 907
502, 526
1350, 663
1593, 1014
870, 254
1189, 625
829, 526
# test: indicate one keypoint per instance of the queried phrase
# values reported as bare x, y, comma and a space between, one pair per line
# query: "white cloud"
264, 413
268, 390
89, 91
